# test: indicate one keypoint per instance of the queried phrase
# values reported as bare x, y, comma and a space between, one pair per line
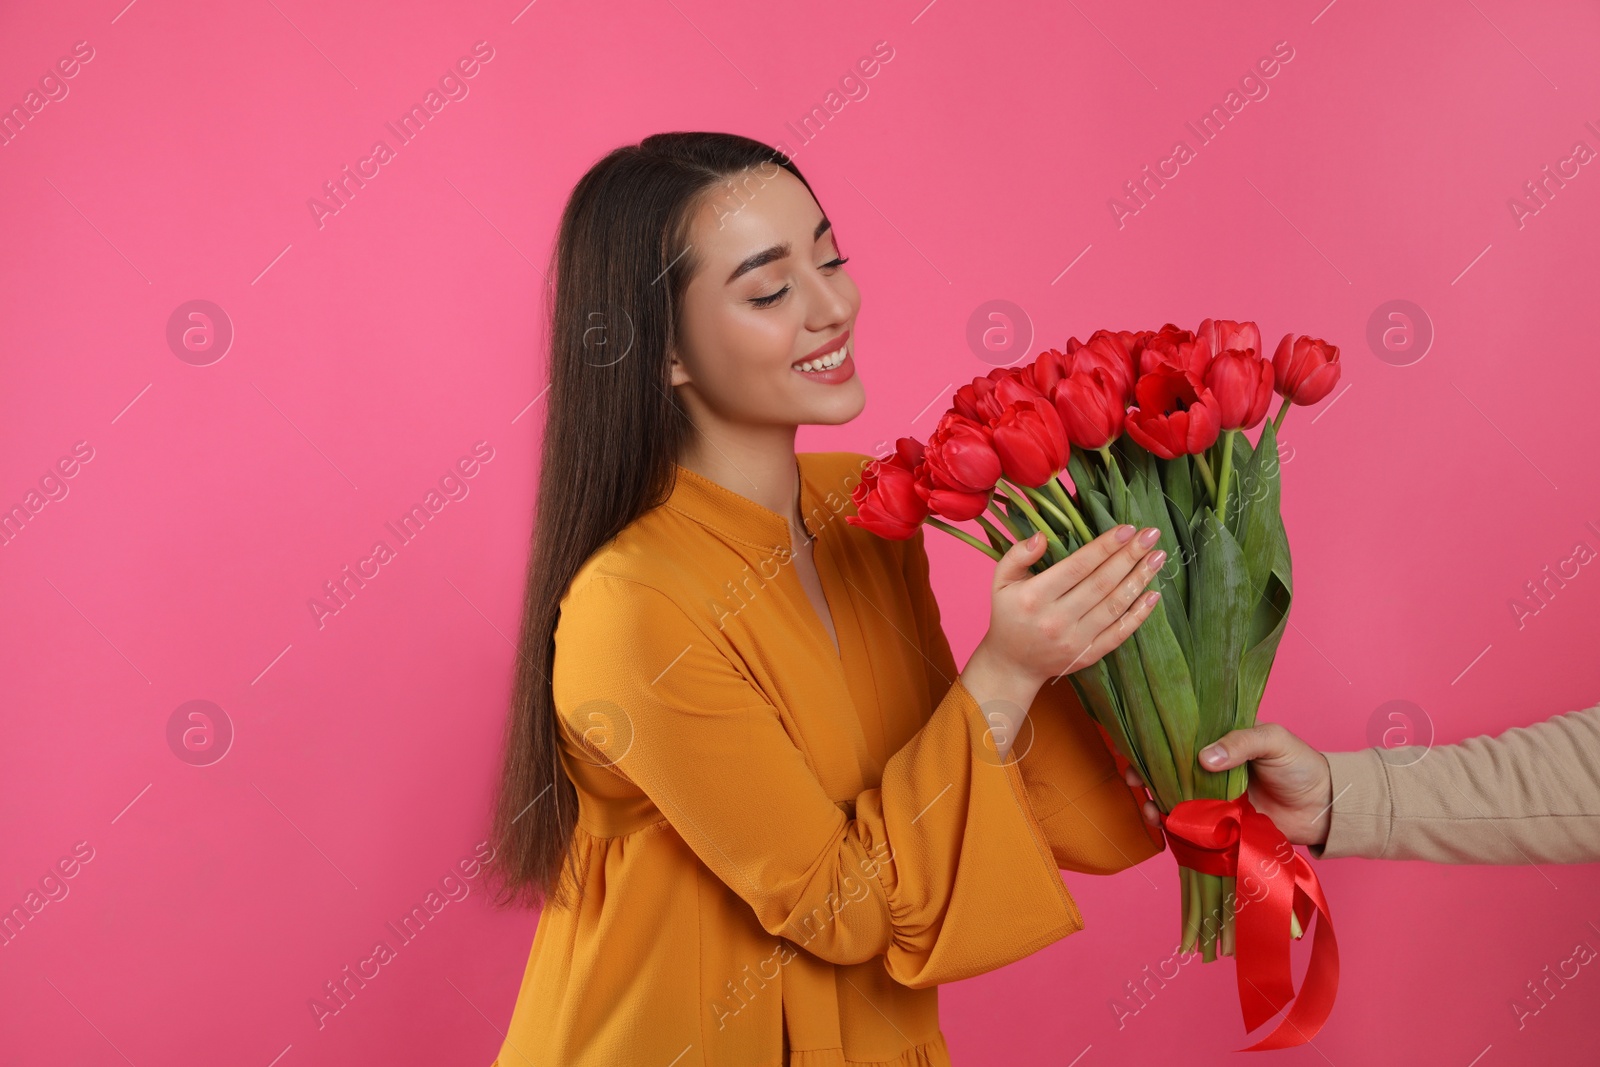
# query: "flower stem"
988, 550
1277, 420
1189, 936
1057, 549
1210, 915
1059, 491
1230, 905
994, 533
1227, 469
1205, 473
1044, 503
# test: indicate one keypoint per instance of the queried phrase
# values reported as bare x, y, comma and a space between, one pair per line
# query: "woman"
764, 813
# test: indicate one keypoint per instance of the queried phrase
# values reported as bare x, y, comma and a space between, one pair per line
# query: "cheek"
760, 342
745, 354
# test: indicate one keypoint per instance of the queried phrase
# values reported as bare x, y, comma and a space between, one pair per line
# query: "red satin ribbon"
1230, 837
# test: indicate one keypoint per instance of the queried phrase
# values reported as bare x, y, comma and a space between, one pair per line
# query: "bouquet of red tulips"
1149, 428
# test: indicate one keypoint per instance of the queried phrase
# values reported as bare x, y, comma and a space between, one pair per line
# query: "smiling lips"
832, 368
828, 359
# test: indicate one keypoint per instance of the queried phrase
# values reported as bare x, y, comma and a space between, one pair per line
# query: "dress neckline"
736, 515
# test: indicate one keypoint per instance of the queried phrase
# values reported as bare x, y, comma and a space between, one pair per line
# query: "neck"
758, 464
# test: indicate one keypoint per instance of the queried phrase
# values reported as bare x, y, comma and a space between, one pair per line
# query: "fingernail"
1123, 532
1156, 559
1150, 536
1212, 755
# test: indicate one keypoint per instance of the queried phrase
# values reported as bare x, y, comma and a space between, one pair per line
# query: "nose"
829, 303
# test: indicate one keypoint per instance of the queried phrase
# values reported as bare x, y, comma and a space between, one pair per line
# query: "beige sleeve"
1529, 795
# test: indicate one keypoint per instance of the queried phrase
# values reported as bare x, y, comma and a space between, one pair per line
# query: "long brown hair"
613, 433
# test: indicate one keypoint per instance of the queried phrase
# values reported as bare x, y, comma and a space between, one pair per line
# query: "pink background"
372, 352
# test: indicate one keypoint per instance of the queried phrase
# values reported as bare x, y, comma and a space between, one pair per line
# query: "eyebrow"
776, 252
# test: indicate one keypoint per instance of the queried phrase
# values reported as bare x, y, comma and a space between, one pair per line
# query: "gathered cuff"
973, 884
930, 1053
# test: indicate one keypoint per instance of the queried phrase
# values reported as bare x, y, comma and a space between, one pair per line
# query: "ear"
680, 373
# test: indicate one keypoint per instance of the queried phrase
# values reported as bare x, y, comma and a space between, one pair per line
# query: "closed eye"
768, 301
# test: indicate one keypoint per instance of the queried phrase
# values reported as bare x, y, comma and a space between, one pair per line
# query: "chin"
850, 402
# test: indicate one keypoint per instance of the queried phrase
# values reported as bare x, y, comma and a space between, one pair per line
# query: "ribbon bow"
1230, 837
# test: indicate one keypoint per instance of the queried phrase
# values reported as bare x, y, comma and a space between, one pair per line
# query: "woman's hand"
1290, 781
1071, 615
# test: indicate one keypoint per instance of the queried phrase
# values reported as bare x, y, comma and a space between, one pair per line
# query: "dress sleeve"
943, 871
1529, 795
1090, 817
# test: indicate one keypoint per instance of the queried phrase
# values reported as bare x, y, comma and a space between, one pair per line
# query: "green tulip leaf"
1078, 471
1170, 781
1259, 500
1171, 687
1267, 625
1220, 605
1099, 697
1116, 489
1172, 582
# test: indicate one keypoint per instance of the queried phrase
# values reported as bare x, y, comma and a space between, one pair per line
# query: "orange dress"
785, 847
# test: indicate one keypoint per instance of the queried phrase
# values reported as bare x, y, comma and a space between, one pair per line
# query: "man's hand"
1290, 782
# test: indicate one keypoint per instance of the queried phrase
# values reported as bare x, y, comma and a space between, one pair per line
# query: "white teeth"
828, 362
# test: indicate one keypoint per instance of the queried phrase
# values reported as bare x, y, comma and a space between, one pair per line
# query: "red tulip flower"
976, 399
1222, 334
1178, 348
1175, 416
1117, 352
1307, 368
1030, 441
886, 498
1048, 368
959, 468
985, 398
1242, 385
1092, 406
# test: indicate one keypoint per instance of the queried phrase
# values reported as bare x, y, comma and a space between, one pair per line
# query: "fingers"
1013, 566
1147, 808
1068, 574
1094, 591
1113, 635
1264, 741
1152, 814
1124, 577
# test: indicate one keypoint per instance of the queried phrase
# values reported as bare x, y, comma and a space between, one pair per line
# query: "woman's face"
769, 295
